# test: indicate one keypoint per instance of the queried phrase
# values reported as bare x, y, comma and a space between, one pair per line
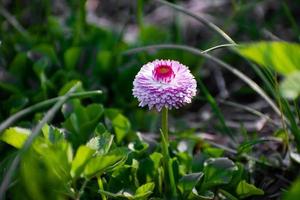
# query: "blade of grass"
13, 118
209, 24
49, 115
221, 63
12, 20
214, 106
250, 110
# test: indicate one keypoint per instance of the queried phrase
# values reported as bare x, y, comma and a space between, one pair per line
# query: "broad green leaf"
18, 66
52, 133
81, 121
206, 195
283, 57
68, 86
188, 182
290, 86
218, 171
48, 51
42, 176
83, 155
245, 189
103, 60
104, 163
144, 191
101, 143
15, 136
294, 191
119, 122
56, 28
138, 146
71, 57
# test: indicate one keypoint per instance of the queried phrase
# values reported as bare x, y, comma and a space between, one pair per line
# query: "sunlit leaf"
15, 136
107, 162
71, 57
144, 191
294, 191
283, 57
119, 122
290, 87
83, 155
245, 189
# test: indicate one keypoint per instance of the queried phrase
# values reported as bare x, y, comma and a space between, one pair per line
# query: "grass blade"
209, 24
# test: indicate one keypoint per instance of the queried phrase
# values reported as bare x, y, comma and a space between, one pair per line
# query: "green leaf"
227, 195
218, 171
290, 87
294, 191
48, 51
283, 57
206, 195
18, 66
81, 121
144, 191
188, 182
103, 60
107, 162
71, 57
119, 122
15, 136
245, 189
83, 155
52, 133
101, 143
69, 85
138, 146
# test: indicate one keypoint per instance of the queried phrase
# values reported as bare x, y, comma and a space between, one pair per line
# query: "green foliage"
83, 155
218, 171
283, 57
293, 192
245, 189
15, 136
188, 182
119, 122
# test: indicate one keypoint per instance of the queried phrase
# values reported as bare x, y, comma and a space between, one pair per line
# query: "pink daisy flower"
164, 83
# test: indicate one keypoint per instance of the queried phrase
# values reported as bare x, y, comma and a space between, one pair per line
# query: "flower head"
164, 83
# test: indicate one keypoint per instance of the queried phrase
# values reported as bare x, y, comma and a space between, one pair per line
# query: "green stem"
167, 160
100, 184
139, 11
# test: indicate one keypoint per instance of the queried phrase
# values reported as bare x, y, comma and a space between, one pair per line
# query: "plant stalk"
165, 148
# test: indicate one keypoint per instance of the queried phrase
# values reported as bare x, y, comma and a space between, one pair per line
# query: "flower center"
163, 73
